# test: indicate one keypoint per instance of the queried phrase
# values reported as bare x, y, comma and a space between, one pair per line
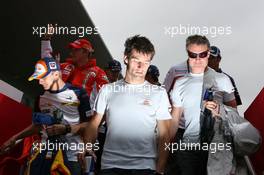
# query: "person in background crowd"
214, 63
153, 74
80, 69
113, 71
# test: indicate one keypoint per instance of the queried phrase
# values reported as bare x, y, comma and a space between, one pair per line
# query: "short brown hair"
197, 39
141, 44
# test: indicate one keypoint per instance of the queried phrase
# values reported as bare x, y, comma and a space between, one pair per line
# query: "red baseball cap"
82, 43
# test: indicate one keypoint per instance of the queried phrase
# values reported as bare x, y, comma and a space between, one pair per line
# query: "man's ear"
56, 74
125, 60
87, 52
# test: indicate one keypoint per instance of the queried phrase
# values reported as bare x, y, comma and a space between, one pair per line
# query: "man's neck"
198, 70
133, 80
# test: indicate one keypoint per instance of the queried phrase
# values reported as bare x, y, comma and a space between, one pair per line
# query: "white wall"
241, 45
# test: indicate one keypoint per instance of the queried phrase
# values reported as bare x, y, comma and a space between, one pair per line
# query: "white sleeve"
175, 96
101, 100
93, 96
163, 110
169, 79
46, 49
226, 86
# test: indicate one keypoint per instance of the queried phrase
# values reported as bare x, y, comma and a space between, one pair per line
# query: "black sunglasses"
195, 55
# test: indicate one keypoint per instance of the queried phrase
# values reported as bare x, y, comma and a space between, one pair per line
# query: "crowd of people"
132, 123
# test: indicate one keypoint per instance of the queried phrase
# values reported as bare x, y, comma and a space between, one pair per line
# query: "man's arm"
30, 130
86, 129
229, 98
176, 114
236, 93
89, 136
59, 129
46, 48
90, 132
164, 137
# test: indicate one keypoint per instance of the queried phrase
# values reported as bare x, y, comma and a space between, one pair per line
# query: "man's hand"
56, 129
7, 145
213, 107
49, 34
89, 133
164, 137
82, 160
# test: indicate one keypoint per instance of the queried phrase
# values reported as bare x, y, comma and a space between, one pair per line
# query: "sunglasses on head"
195, 55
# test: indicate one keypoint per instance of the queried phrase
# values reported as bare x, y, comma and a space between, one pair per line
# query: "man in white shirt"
186, 97
214, 62
137, 117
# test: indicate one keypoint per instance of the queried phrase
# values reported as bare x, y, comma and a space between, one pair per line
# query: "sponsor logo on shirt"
69, 98
147, 102
70, 104
69, 67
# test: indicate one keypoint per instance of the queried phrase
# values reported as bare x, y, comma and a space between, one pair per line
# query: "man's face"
213, 62
137, 64
78, 54
48, 80
198, 56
